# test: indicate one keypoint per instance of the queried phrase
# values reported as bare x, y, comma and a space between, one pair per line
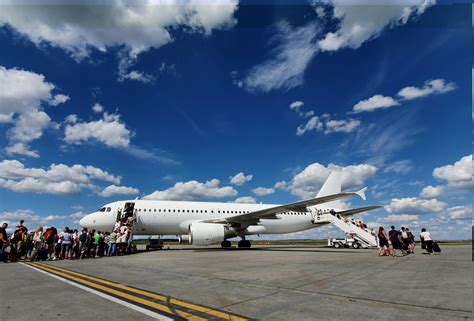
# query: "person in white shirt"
37, 242
425, 237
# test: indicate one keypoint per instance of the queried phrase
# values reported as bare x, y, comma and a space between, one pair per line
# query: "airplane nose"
84, 221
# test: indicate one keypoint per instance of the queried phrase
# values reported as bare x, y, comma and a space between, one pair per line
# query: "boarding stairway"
362, 235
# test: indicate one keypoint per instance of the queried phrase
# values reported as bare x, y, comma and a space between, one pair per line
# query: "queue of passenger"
68, 244
403, 241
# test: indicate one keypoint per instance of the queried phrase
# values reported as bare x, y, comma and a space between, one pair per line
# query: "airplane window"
179, 211
205, 211
201, 211
102, 209
108, 209
174, 211
212, 211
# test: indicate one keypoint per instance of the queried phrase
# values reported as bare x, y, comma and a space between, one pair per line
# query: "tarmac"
263, 283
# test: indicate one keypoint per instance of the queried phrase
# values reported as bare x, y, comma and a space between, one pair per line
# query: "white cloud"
341, 126
460, 212
458, 175
59, 179
246, 200
71, 119
313, 124
262, 191
59, 99
374, 103
21, 149
31, 219
359, 23
296, 105
432, 191
240, 179
108, 130
21, 98
431, 87
186, 191
97, 108
136, 28
413, 205
400, 167
289, 59
401, 218
112, 190
307, 182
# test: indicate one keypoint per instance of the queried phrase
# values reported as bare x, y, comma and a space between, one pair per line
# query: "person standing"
394, 236
3, 243
37, 243
83, 243
425, 236
112, 243
383, 243
66, 242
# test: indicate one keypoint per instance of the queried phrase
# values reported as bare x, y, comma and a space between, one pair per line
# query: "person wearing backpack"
83, 243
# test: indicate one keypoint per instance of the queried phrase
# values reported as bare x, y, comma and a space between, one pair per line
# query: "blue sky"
105, 103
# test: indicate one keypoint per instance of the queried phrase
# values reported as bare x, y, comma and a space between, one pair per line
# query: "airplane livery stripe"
183, 306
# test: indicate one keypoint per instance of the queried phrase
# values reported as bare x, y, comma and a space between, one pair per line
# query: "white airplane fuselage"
175, 217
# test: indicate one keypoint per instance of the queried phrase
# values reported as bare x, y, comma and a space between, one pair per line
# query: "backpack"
83, 237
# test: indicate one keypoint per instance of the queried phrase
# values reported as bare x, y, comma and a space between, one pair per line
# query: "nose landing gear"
226, 244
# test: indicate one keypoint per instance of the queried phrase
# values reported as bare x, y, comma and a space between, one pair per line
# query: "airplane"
207, 223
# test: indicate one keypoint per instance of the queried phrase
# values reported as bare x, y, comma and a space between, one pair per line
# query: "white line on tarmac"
105, 296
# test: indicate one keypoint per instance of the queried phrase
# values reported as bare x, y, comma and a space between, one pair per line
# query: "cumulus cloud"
296, 105
431, 87
245, 200
293, 49
413, 205
113, 190
97, 108
262, 191
31, 219
83, 29
432, 191
401, 218
307, 182
374, 103
109, 130
240, 179
341, 126
458, 175
460, 212
23, 95
21, 149
312, 124
59, 99
187, 191
58, 179
360, 23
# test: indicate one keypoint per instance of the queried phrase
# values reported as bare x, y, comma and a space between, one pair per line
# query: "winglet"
361, 193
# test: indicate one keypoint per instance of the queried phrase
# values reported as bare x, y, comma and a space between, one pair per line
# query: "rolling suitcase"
436, 248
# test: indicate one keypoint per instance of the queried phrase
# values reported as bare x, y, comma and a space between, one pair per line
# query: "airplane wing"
270, 213
357, 210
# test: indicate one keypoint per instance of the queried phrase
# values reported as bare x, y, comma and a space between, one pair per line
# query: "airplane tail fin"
332, 185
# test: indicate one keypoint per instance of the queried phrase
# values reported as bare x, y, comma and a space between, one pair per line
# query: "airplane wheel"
244, 244
226, 244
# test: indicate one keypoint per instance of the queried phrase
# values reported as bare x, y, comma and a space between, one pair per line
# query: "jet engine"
208, 233
183, 239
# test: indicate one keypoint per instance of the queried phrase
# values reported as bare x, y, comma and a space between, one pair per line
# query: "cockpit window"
102, 209
108, 209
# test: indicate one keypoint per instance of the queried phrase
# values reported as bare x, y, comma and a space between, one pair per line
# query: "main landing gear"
244, 244
226, 244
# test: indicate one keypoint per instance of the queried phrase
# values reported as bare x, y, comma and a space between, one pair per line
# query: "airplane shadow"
267, 249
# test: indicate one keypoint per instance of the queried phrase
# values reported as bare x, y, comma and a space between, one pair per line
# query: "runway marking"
105, 296
114, 288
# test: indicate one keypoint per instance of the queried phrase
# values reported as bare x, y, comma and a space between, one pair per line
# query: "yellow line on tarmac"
223, 315
145, 302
